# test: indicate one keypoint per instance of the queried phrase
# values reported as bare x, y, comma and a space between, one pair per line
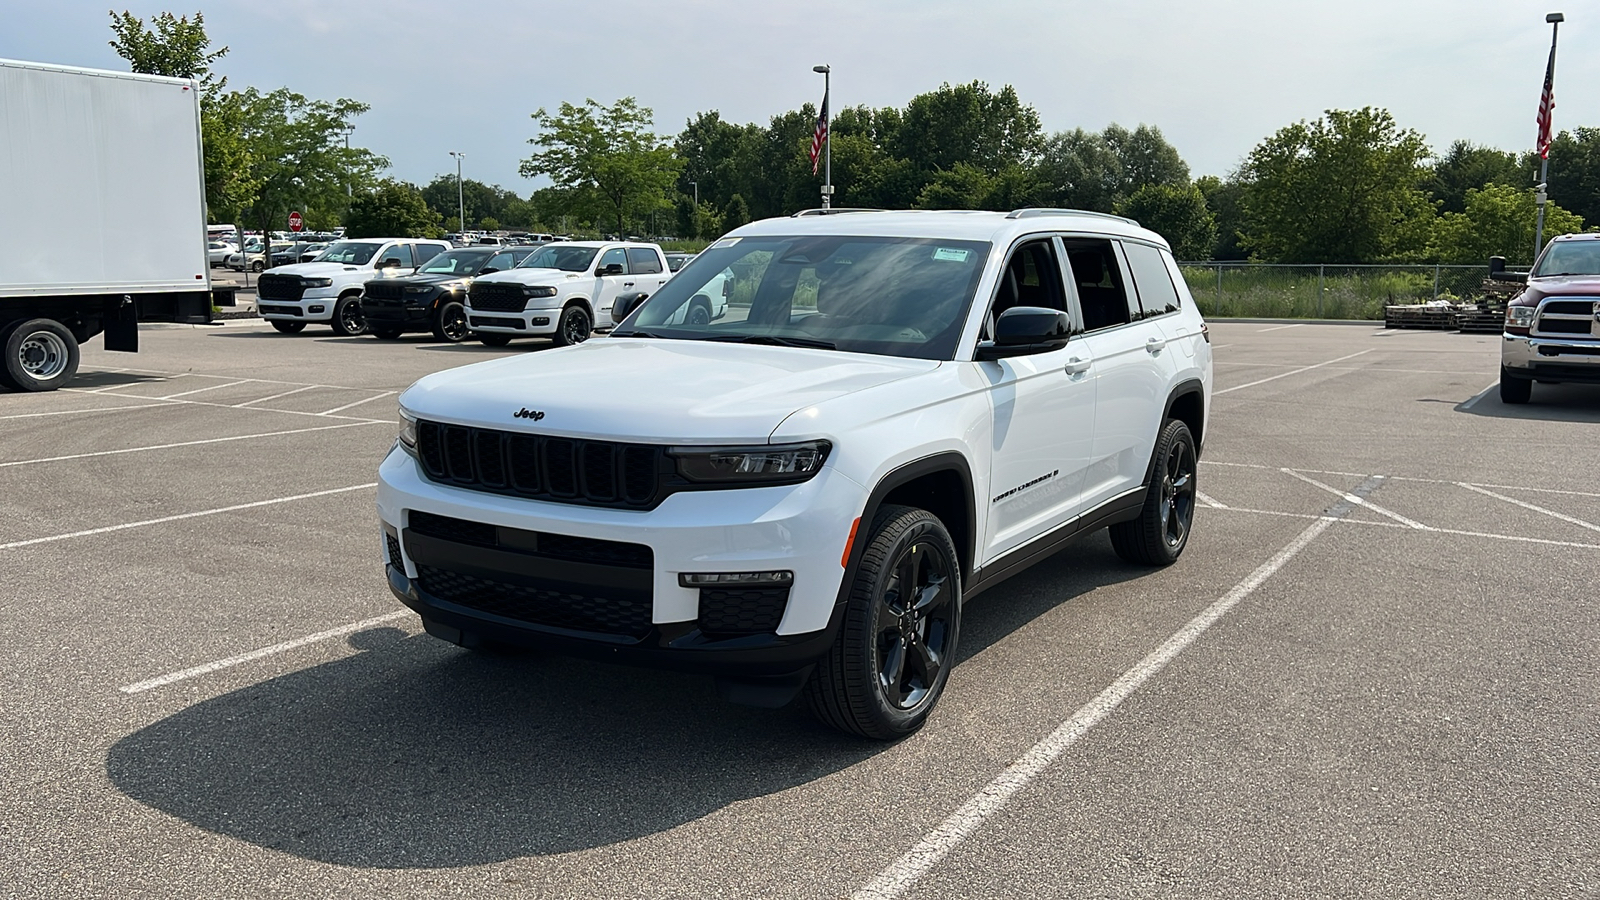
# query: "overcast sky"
1215, 75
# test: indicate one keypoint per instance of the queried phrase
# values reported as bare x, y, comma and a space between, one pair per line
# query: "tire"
880, 636
347, 317
257, 266
699, 312
39, 355
574, 327
386, 334
494, 340
1514, 389
1158, 536
450, 323
288, 327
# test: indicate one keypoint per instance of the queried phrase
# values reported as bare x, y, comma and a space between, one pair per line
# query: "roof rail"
1032, 211
833, 209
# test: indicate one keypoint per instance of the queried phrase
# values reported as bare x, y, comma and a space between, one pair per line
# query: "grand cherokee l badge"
526, 413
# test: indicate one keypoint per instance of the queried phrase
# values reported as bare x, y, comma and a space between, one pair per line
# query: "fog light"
316, 309
541, 320
719, 579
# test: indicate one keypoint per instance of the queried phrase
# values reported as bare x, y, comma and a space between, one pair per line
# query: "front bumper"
799, 528
397, 313
527, 323
308, 308
1552, 359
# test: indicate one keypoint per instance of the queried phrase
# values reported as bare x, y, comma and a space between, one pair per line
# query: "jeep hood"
652, 391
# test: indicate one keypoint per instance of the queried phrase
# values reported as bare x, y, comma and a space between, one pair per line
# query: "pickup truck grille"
384, 290
590, 473
280, 287
497, 296
1568, 318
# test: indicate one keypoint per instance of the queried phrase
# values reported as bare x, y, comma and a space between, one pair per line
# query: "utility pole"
827, 139
1547, 104
349, 186
461, 197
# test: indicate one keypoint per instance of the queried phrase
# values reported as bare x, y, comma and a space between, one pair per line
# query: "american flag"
1547, 104
820, 136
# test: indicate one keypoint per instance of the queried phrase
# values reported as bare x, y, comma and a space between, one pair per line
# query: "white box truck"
102, 214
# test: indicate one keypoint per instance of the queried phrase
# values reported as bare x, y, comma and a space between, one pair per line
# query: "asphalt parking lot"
1372, 673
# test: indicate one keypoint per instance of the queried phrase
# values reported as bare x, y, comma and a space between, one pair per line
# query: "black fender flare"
1184, 389
946, 461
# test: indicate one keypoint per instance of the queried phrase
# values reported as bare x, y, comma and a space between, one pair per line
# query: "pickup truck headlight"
1520, 316
538, 290
408, 433
766, 464
318, 282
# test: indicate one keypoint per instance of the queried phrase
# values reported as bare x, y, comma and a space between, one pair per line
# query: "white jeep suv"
563, 291
328, 289
899, 410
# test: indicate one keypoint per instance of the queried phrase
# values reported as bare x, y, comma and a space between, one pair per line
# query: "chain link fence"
1271, 290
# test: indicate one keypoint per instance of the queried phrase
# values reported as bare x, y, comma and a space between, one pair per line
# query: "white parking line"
1201, 495
207, 668
220, 440
1240, 387
264, 409
1501, 487
357, 403
1538, 509
1514, 538
274, 396
894, 881
209, 388
118, 387
1351, 498
193, 515
1473, 400
1279, 327
80, 412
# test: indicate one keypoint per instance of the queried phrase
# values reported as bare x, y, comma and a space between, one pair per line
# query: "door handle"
1155, 345
1076, 366
627, 284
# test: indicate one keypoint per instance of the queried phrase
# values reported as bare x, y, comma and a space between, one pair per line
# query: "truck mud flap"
122, 324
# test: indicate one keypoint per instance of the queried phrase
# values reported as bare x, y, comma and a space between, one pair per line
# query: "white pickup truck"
564, 291
329, 290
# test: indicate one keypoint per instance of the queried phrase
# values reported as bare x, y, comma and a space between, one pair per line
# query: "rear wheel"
450, 323
699, 311
288, 327
1161, 532
574, 326
1514, 389
494, 340
348, 319
40, 355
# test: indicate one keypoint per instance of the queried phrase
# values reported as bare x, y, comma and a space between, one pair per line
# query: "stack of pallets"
1424, 315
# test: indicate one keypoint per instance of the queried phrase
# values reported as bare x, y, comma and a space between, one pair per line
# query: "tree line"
1351, 186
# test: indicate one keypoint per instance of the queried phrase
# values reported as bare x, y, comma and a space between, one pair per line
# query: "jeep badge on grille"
526, 413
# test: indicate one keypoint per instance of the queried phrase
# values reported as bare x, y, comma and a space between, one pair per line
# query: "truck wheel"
256, 266
288, 327
1514, 389
347, 317
574, 327
494, 340
700, 311
450, 323
892, 659
1161, 532
40, 355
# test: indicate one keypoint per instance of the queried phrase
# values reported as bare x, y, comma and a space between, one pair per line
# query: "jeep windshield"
457, 262
567, 259
891, 296
351, 253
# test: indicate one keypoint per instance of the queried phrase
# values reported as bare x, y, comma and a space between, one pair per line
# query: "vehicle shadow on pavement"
1551, 403
85, 380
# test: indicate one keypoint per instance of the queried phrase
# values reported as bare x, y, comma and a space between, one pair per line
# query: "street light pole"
461, 197
1542, 194
349, 186
827, 140
696, 186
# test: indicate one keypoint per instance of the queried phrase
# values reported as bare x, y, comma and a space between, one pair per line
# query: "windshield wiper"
635, 332
773, 340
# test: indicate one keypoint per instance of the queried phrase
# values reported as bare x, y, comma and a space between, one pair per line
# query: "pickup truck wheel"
892, 659
1161, 532
700, 311
450, 323
574, 327
289, 327
40, 355
494, 340
348, 319
1514, 389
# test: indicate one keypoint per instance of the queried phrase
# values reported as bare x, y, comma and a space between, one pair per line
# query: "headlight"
538, 290
408, 433
317, 282
1520, 316
418, 290
774, 464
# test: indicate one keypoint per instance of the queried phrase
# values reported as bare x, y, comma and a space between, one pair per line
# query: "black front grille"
497, 322
593, 473
280, 287
742, 610
498, 296
551, 607
1563, 326
267, 309
384, 290
533, 543
1569, 307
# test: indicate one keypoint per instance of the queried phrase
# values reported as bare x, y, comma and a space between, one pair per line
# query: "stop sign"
295, 222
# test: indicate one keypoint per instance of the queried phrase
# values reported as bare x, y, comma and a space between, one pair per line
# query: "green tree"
967, 124
1498, 221
392, 209
1342, 188
707, 223
1143, 158
736, 213
962, 186
1078, 170
1574, 171
1223, 200
489, 223
607, 155
1466, 166
683, 217
1178, 214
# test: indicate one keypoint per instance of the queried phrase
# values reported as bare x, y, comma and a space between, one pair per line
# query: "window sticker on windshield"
953, 255
724, 243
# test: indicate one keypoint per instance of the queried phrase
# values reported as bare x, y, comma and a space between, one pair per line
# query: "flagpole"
1541, 195
827, 138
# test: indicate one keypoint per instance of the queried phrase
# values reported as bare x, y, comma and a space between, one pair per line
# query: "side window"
1157, 295
614, 256
401, 252
643, 261
1032, 277
426, 252
499, 262
1102, 290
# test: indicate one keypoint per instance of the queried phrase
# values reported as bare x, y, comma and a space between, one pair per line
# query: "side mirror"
613, 269
625, 304
487, 270
1497, 271
1025, 330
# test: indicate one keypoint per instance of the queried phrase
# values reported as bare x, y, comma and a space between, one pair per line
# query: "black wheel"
1514, 389
892, 659
40, 355
348, 319
1160, 533
450, 323
699, 311
288, 327
386, 334
574, 326
494, 340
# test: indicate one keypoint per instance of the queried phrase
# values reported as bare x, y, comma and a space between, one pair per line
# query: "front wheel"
256, 266
574, 327
892, 659
40, 355
1161, 532
348, 319
1514, 389
450, 323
